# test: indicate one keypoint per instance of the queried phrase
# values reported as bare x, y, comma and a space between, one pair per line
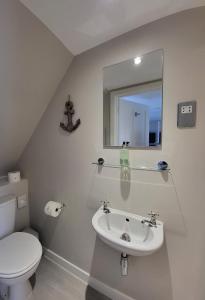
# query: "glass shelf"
138, 168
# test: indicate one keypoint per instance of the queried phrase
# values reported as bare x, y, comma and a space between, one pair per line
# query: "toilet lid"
19, 252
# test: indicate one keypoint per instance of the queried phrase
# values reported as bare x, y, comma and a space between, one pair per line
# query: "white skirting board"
84, 276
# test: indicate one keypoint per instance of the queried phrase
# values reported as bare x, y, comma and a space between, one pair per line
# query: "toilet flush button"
22, 201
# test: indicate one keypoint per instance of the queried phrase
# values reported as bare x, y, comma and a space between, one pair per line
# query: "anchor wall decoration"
69, 112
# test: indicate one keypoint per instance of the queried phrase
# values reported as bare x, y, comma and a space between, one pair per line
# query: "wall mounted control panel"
186, 115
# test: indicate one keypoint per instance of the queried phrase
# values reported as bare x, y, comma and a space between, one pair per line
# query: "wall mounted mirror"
132, 102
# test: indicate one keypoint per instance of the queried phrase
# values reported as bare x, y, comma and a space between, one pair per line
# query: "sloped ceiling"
32, 63
83, 24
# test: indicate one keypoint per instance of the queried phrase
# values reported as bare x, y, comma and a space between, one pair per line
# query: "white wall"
32, 63
58, 166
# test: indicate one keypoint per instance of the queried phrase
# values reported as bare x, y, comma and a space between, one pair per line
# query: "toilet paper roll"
14, 176
53, 209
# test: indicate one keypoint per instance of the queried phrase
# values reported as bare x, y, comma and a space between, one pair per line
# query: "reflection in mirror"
132, 102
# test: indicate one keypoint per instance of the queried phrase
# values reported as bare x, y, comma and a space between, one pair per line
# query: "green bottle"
124, 155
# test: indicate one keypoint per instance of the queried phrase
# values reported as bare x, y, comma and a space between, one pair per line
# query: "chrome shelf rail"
138, 168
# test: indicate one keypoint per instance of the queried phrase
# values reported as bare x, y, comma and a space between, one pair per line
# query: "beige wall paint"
58, 166
32, 63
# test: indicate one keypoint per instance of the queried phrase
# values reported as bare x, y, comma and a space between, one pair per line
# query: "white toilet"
20, 253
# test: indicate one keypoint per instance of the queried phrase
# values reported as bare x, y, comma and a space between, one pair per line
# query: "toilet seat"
19, 252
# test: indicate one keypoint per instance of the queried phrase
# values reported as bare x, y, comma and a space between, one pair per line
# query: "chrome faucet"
152, 221
106, 210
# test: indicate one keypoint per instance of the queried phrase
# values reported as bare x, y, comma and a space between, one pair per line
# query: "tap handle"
105, 203
153, 214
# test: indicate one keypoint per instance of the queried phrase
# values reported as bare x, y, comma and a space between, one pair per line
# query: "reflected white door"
133, 123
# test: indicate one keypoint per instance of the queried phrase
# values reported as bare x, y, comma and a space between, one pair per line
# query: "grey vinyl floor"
53, 283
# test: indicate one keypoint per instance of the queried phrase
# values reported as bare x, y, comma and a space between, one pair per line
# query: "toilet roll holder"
53, 208
60, 208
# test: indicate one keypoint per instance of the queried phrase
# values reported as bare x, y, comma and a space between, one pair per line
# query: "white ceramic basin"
144, 239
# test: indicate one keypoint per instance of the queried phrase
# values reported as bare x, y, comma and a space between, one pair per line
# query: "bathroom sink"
144, 240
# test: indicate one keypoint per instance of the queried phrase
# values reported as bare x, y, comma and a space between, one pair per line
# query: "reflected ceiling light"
137, 60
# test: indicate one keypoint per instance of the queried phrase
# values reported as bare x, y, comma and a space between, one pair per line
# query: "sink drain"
125, 237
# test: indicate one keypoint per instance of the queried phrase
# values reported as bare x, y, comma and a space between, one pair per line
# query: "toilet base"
20, 291
19, 288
